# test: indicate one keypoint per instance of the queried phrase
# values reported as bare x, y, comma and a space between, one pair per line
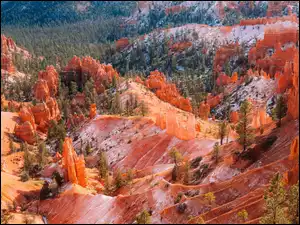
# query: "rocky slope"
256, 60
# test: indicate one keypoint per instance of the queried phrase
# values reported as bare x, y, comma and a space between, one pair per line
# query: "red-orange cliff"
293, 92
166, 91
44, 110
74, 165
102, 74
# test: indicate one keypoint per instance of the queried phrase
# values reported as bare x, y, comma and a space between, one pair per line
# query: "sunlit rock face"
93, 111
234, 117
181, 125
26, 132
102, 74
166, 91
7, 64
26, 115
292, 176
283, 40
51, 76
74, 165
7, 44
40, 114
41, 90
204, 110
294, 150
213, 101
293, 93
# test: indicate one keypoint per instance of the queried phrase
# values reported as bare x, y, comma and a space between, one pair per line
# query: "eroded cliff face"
41, 90
46, 108
102, 74
7, 64
93, 111
8, 47
204, 110
26, 115
26, 132
74, 165
51, 77
282, 39
293, 93
224, 53
166, 91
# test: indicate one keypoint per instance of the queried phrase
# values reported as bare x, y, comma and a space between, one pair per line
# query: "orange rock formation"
260, 118
265, 20
7, 64
41, 90
40, 114
294, 150
293, 93
166, 91
234, 117
223, 79
204, 110
102, 74
181, 125
180, 46
213, 101
73, 164
122, 43
93, 111
26, 115
275, 37
51, 76
224, 53
26, 132
7, 44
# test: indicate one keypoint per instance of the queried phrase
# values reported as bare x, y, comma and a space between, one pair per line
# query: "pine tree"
222, 130
216, 151
275, 198
144, 108
293, 203
107, 186
279, 111
143, 218
243, 214
60, 146
27, 158
114, 82
243, 128
116, 107
200, 220
88, 148
103, 165
119, 180
186, 178
175, 155
210, 197
42, 157
11, 146
73, 88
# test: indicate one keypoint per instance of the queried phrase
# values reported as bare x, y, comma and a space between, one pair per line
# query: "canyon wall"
74, 165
